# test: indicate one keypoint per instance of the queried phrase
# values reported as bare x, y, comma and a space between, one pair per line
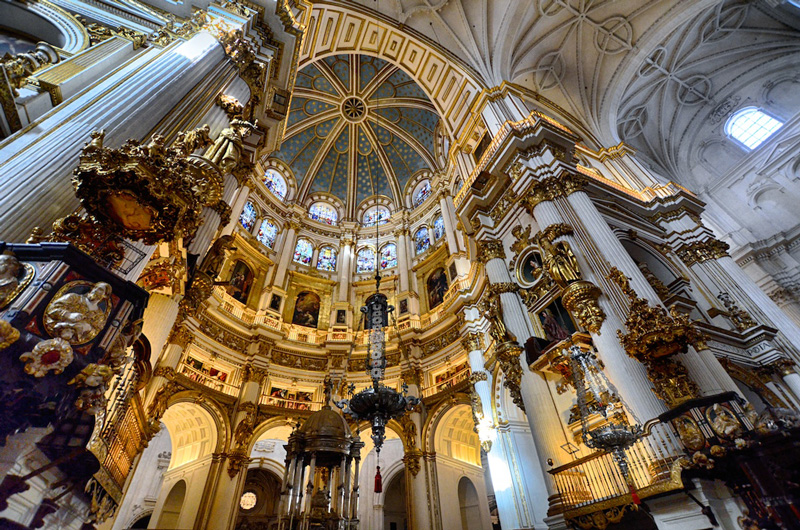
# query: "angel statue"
493, 312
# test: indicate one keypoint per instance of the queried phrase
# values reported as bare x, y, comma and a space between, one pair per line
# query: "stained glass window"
365, 260
438, 228
275, 183
303, 251
248, 500
248, 217
376, 215
388, 256
421, 240
751, 126
327, 259
267, 233
323, 213
422, 192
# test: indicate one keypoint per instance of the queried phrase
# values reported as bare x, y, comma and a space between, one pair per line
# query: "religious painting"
556, 322
241, 281
453, 271
341, 317
404, 306
437, 286
530, 268
275, 303
306, 310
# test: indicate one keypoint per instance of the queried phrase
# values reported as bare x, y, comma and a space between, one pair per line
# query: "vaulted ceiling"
358, 126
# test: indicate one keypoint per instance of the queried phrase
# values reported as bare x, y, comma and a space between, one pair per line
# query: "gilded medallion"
14, 277
690, 433
78, 311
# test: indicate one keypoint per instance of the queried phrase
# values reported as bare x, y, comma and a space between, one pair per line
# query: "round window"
248, 500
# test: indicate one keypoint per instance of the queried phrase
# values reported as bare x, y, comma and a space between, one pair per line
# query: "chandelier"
596, 392
378, 403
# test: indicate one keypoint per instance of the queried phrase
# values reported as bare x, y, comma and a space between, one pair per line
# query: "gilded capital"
480, 375
701, 251
472, 342
784, 367
491, 249
180, 336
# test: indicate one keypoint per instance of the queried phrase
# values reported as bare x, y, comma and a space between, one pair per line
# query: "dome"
325, 423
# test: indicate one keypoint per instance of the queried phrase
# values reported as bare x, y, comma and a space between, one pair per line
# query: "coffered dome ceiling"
358, 126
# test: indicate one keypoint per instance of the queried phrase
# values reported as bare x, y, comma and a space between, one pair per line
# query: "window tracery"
421, 192
267, 233
365, 260
275, 183
376, 215
324, 213
388, 256
248, 216
327, 259
422, 240
303, 251
751, 127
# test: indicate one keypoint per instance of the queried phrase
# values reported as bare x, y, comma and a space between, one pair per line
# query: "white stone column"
128, 103
157, 321
403, 264
236, 209
446, 203
314, 258
288, 251
346, 258
416, 485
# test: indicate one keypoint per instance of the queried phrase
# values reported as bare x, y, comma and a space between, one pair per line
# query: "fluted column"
288, 244
628, 374
157, 321
703, 367
403, 264
787, 370
446, 203
545, 424
416, 480
179, 339
128, 103
236, 209
346, 257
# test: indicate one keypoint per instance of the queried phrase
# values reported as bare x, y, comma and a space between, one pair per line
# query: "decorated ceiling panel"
357, 126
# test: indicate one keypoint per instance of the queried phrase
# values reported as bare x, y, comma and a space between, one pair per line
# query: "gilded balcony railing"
595, 482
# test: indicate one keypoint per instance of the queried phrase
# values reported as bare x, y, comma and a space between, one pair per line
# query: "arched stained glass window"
365, 260
421, 240
438, 228
327, 259
421, 192
303, 251
267, 233
275, 183
751, 127
323, 212
376, 215
388, 256
248, 217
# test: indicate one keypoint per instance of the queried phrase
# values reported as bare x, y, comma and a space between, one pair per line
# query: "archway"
395, 514
258, 504
470, 505
171, 512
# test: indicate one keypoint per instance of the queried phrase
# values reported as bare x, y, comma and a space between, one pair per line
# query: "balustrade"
213, 382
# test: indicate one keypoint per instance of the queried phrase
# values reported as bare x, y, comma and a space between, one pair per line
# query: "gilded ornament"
116, 353
472, 342
492, 309
89, 236
190, 141
18, 68
558, 260
14, 277
49, 355
226, 152
740, 318
236, 463
215, 257
411, 459
540, 191
78, 311
92, 381
522, 239
690, 434
503, 287
580, 299
230, 105
658, 286
784, 366
701, 251
490, 249
671, 382
508, 355
479, 375
8, 334
723, 422
244, 429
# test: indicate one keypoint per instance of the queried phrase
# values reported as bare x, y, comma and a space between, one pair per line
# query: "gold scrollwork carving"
490, 249
14, 277
480, 375
701, 251
740, 318
8, 334
580, 299
412, 461
472, 342
508, 356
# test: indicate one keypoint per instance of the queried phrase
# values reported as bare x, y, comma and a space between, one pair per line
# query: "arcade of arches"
581, 212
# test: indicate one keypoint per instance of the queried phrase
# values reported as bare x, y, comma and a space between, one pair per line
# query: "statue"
559, 261
227, 149
9, 277
195, 139
78, 318
212, 263
493, 312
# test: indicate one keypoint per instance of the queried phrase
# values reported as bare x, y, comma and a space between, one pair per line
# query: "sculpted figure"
9, 276
212, 263
559, 262
197, 139
493, 312
227, 149
78, 318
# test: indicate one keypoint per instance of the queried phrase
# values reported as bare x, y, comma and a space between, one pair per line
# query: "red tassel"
634, 496
378, 481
